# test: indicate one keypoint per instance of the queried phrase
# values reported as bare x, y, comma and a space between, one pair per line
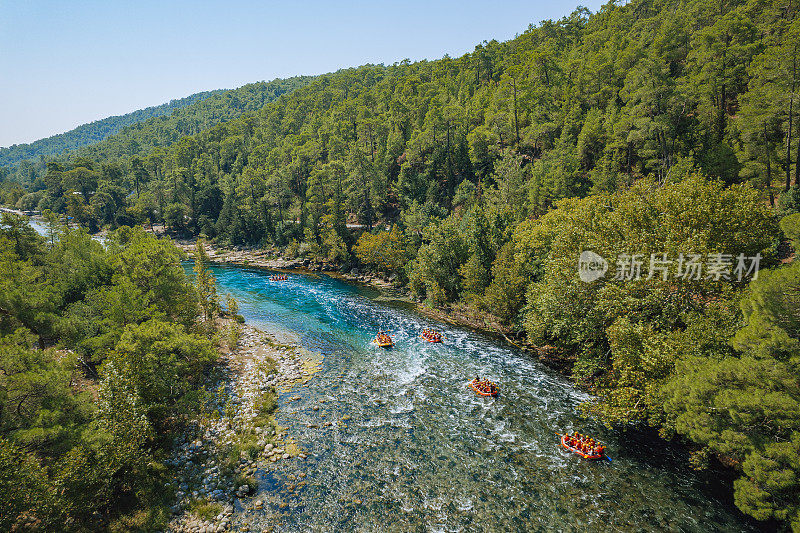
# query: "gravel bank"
219, 457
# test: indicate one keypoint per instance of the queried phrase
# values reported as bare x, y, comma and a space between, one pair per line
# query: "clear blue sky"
65, 63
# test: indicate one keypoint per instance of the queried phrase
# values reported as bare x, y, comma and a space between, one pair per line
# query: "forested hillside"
658, 128
140, 136
583, 105
91, 133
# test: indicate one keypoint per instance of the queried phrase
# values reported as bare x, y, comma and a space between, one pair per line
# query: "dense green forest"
663, 128
101, 364
140, 132
93, 132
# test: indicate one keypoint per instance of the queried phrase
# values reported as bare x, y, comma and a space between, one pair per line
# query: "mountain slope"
139, 139
589, 103
92, 132
158, 131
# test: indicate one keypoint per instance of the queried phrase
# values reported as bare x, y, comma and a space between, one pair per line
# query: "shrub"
204, 509
789, 201
266, 404
791, 228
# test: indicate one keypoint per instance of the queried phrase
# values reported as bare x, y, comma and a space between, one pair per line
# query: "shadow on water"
398, 443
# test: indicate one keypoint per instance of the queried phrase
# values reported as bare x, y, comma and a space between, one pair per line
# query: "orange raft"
431, 336
384, 340
279, 277
474, 386
579, 452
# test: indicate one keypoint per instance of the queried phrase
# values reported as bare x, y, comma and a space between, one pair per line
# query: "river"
38, 226
412, 449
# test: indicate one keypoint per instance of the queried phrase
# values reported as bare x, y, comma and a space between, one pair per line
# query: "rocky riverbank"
220, 457
254, 257
271, 259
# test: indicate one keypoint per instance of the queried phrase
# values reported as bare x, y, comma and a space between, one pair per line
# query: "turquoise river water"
421, 452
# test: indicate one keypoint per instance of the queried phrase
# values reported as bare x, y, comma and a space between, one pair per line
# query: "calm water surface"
412, 449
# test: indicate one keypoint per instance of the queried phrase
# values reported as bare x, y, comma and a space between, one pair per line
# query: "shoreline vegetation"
228, 429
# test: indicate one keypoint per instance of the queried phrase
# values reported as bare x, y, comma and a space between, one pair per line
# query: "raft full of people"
278, 277
484, 387
431, 336
384, 340
584, 445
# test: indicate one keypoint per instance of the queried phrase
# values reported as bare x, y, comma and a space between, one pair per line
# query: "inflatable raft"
386, 343
472, 385
432, 339
579, 452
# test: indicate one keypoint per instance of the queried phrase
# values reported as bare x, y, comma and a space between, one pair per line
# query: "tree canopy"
101, 360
